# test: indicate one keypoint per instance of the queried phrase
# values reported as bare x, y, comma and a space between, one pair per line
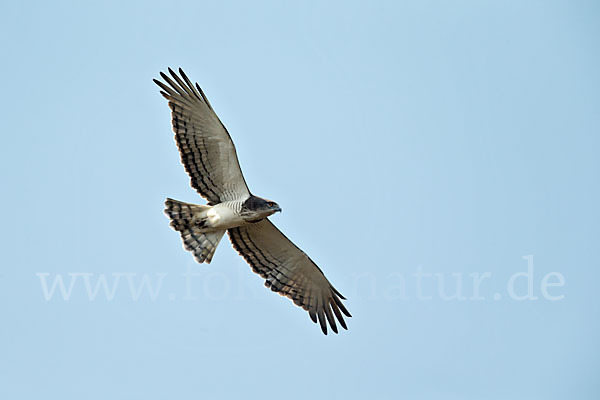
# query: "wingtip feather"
330, 319
341, 306
338, 293
339, 315
322, 322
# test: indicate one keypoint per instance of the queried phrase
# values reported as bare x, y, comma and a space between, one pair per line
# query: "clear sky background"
402, 139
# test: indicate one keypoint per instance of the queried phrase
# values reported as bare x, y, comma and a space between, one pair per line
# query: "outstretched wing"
207, 151
289, 271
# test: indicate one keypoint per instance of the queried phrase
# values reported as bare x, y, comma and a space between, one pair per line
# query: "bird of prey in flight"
210, 159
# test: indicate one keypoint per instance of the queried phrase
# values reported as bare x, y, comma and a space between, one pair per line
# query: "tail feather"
183, 214
189, 220
202, 244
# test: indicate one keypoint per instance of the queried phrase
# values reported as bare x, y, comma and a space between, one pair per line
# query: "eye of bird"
271, 204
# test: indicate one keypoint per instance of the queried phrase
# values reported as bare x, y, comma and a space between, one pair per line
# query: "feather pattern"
288, 271
207, 151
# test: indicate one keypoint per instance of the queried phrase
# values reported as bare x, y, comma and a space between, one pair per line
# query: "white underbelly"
221, 216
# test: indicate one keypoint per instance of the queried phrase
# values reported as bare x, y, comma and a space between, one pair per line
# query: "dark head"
260, 207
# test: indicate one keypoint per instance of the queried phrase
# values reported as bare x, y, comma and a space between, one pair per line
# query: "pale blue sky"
401, 138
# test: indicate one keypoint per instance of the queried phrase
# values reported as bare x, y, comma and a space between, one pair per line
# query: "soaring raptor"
209, 157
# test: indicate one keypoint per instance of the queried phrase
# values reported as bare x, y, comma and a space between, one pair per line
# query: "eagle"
210, 159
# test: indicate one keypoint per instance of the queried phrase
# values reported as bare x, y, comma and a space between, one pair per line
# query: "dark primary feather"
289, 272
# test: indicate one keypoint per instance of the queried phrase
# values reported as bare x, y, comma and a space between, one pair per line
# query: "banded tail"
190, 220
